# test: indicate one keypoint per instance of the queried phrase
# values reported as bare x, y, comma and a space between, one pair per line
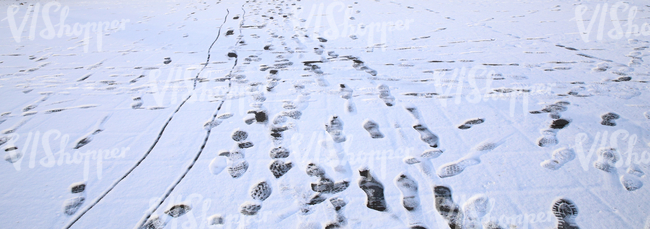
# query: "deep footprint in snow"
559, 158
236, 164
565, 211
446, 207
259, 192
559, 123
374, 191
279, 168
426, 135
409, 190
410, 200
239, 135
554, 109
609, 119
373, 129
469, 123
279, 152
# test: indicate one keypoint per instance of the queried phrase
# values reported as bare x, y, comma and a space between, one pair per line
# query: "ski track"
207, 135
442, 121
156, 142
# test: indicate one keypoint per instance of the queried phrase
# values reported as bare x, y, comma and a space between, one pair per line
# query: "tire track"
71, 223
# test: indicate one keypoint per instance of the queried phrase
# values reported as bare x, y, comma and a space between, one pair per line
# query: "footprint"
553, 110
472, 158
469, 123
3, 140
635, 170
154, 222
426, 135
474, 209
99, 127
374, 191
211, 124
215, 220
279, 168
13, 155
338, 204
236, 167
79, 187
245, 145
548, 138
217, 165
559, 124
4, 116
384, 95
565, 211
249, 208
410, 200
630, 182
225, 116
72, 205
279, 152
261, 191
373, 129
560, 157
491, 225
335, 129
455, 168
607, 158
608, 119
446, 207
178, 210
34, 105
15, 127
294, 114
239, 135
314, 170
137, 103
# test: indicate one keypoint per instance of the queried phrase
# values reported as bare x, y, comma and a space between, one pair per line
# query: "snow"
147, 137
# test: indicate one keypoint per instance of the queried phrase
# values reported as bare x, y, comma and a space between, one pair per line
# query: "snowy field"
325, 114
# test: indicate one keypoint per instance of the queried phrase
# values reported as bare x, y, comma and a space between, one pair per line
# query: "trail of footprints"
324, 188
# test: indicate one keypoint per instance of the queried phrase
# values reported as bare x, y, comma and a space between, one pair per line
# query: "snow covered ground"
324, 114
